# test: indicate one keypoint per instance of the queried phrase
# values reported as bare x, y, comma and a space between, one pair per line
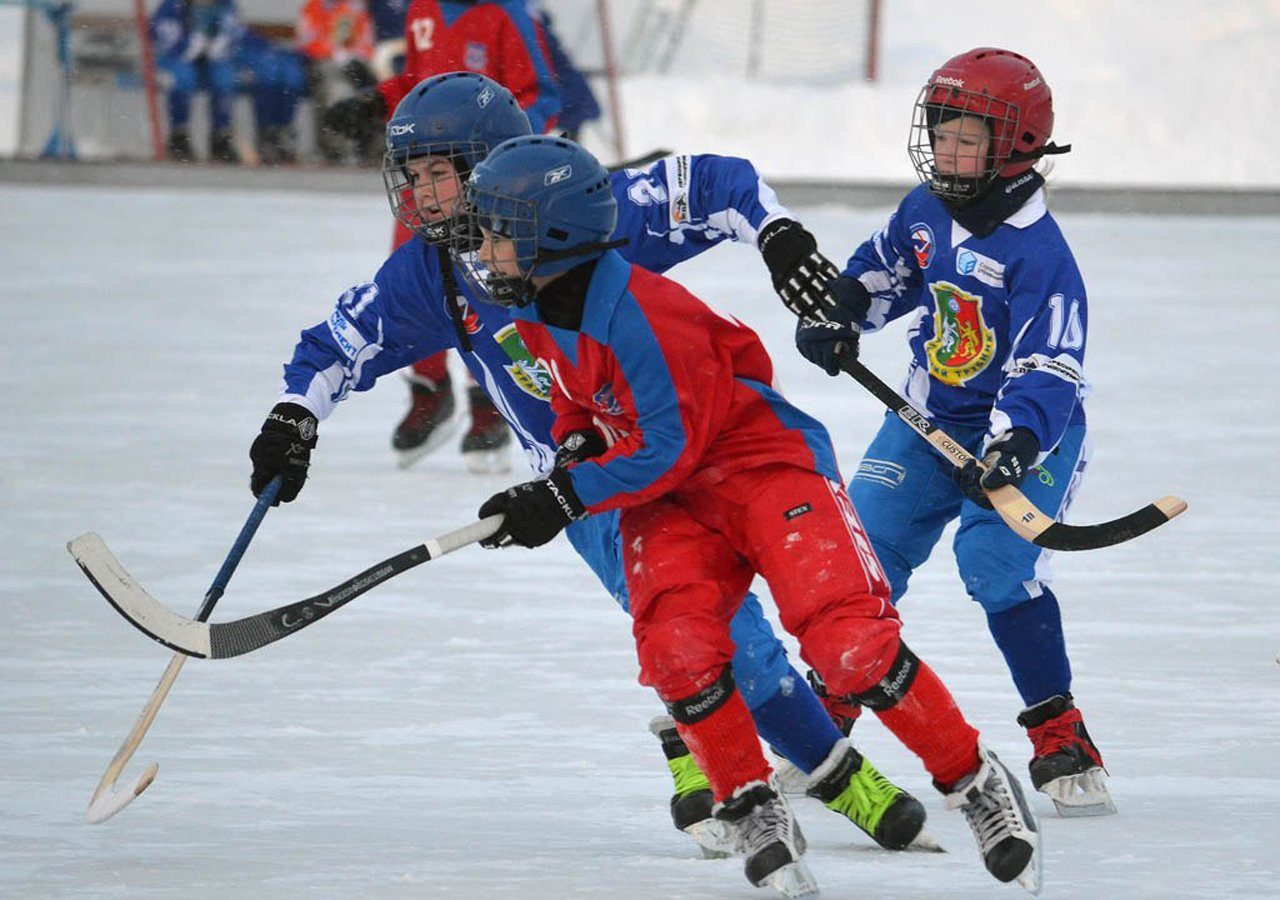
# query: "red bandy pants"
690, 557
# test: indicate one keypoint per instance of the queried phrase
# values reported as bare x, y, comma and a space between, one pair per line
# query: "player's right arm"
375, 328
880, 281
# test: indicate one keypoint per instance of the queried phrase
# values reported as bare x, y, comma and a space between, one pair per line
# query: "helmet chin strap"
518, 290
1049, 149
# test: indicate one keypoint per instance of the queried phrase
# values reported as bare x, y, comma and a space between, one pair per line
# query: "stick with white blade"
106, 800
221, 640
1019, 513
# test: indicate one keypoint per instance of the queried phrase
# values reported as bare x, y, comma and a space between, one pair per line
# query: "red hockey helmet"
1007, 92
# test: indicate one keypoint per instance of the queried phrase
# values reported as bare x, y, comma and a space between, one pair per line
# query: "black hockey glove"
830, 342
535, 511
800, 273
580, 445
355, 116
283, 448
1009, 458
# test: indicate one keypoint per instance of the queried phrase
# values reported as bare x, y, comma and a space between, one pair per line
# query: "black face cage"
501, 216
432, 225
937, 104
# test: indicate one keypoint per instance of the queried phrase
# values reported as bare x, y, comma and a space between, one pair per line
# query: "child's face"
960, 147
437, 190
498, 254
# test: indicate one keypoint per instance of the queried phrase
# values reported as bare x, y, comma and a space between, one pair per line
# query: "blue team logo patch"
922, 244
966, 262
476, 56
606, 402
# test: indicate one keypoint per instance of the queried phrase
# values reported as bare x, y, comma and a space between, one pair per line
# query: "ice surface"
473, 728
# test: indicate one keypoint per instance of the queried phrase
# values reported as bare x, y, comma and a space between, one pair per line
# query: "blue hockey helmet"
458, 117
552, 199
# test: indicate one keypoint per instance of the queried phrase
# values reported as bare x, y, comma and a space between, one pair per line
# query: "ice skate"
1002, 821
1067, 766
222, 147
485, 444
767, 834
179, 146
691, 804
428, 423
848, 784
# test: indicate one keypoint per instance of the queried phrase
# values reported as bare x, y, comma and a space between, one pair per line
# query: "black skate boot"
1002, 821
484, 446
766, 833
179, 146
1067, 766
428, 422
691, 803
276, 146
222, 148
848, 784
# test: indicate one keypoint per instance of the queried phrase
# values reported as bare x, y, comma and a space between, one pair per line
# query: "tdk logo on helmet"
1035, 82
397, 130
949, 81
557, 175
485, 97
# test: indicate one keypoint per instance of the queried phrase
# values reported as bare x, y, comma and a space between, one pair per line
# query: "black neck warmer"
561, 302
983, 214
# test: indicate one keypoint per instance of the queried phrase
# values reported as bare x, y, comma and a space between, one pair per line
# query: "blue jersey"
1000, 321
668, 213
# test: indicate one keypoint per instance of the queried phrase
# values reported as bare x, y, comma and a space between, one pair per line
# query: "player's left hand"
800, 273
535, 512
581, 445
1010, 456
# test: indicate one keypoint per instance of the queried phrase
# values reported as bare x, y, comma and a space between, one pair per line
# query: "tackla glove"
1010, 456
283, 448
534, 512
800, 273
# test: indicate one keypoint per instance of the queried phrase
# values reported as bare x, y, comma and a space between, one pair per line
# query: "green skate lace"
687, 775
866, 798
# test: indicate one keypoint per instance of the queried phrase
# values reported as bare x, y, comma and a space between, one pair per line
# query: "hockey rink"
473, 728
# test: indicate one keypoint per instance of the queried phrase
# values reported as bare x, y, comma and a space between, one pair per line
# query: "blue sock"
1030, 637
794, 722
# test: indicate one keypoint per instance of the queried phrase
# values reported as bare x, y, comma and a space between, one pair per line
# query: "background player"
998, 356
502, 41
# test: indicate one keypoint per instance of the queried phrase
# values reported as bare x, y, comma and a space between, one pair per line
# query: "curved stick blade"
106, 803
147, 614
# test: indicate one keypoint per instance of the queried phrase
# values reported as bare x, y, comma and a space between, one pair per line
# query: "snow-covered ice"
473, 728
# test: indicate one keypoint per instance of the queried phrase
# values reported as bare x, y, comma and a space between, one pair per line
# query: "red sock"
930, 724
726, 748
434, 367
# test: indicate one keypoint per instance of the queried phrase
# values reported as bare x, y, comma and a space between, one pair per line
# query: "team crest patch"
922, 244
476, 56
605, 401
524, 370
962, 344
471, 323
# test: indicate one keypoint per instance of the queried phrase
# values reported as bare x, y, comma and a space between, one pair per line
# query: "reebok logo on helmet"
557, 175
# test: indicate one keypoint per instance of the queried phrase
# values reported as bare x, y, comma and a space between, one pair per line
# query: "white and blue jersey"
668, 213
999, 335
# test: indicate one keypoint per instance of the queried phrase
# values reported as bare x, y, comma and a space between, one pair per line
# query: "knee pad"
698, 706
890, 690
